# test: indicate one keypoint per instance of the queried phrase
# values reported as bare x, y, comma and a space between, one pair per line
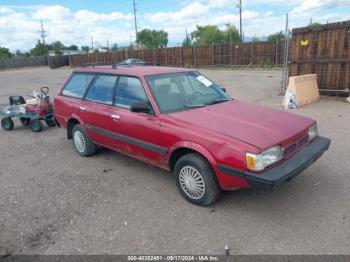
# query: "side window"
102, 89
77, 85
129, 91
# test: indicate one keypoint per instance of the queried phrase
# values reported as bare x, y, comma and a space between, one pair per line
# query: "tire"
82, 143
192, 170
36, 126
7, 123
50, 122
24, 121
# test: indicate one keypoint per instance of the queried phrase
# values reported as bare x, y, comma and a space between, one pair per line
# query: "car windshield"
182, 91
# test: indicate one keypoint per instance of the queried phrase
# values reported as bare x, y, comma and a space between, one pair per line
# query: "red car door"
97, 108
137, 133
67, 103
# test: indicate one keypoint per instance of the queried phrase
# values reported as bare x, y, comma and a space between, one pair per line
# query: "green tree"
71, 47
114, 48
276, 37
152, 38
255, 39
231, 34
208, 34
57, 46
187, 41
85, 48
5, 53
39, 49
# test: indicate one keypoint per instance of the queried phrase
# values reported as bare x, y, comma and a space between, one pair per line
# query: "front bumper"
289, 168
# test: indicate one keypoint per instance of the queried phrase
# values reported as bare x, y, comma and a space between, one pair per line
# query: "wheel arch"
184, 148
70, 125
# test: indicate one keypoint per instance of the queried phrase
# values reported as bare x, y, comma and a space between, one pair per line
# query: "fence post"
194, 55
231, 53
285, 65
180, 56
252, 61
166, 56
276, 55
154, 56
212, 54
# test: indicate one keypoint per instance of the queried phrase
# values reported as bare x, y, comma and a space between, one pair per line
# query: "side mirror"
140, 107
223, 89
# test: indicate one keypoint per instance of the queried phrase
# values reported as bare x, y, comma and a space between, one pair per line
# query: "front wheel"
82, 143
196, 181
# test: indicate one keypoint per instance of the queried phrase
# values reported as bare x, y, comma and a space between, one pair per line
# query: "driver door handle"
117, 117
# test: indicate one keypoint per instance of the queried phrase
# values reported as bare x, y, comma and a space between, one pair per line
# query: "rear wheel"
24, 121
196, 181
7, 123
36, 125
82, 143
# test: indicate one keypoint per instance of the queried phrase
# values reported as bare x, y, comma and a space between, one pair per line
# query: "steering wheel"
195, 95
45, 90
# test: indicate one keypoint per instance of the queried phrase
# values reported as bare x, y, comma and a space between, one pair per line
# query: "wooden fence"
23, 62
254, 53
325, 51
52, 61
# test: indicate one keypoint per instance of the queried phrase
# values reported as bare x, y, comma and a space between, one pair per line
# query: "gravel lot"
54, 202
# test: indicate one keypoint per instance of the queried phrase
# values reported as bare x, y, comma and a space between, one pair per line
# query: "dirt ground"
54, 202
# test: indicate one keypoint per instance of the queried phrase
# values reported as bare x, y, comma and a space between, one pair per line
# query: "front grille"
292, 148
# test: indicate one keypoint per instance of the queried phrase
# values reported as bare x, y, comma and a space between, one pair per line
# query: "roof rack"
118, 64
93, 64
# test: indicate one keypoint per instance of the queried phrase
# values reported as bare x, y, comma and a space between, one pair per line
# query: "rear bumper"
291, 167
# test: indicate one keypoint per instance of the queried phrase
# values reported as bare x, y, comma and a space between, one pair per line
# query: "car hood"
259, 126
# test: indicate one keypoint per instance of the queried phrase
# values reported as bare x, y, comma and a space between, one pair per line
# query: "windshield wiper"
219, 100
194, 106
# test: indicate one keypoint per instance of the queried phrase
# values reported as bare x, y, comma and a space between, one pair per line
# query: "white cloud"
314, 5
189, 12
19, 28
20, 25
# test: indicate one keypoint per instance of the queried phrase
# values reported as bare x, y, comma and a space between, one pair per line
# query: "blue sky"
75, 21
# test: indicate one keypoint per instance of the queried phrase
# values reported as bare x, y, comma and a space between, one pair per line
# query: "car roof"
133, 70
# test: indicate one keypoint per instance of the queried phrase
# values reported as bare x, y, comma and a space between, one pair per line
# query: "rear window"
77, 85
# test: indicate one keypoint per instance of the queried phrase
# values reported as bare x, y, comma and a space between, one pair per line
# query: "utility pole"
43, 32
239, 5
92, 43
135, 21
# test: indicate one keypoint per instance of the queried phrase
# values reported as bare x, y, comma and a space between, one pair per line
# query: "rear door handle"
117, 117
83, 108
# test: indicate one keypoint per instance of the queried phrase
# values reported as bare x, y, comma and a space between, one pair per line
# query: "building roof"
133, 70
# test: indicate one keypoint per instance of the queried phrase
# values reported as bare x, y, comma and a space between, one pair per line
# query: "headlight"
313, 132
266, 158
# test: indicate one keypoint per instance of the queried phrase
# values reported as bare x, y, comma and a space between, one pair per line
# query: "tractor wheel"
36, 125
7, 123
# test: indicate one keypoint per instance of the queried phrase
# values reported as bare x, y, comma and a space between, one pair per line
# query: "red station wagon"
179, 120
